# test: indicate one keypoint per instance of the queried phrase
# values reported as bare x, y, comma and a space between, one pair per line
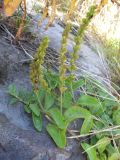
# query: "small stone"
61, 156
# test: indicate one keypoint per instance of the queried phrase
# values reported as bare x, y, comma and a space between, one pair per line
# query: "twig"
72, 133
95, 132
20, 29
31, 57
13, 37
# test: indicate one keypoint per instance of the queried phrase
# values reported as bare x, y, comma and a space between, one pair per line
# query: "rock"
62, 156
19, 144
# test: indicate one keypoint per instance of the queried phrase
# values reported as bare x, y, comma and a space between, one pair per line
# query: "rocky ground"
18, 139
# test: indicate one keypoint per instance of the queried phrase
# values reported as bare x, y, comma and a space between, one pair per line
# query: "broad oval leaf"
49, 101
37, 121
27, 109
52, 79
87, 100
78, 84
12, 90
41, 94
92, 103
102, 144
91, 152
76, 112
110, 102
55, 114
87, 125
116, 117
13, 101
10, 6
115, 156
67, 100
110, 149
35, 109
106, 118
103, 156
58, 135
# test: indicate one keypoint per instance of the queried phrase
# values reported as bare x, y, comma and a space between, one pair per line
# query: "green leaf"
116, 117
27, 96
90, 151
93, 140
115, 156
41, 94
13, 101
116, 132
90, 87
57, 117
92, 103
99, 126
35, 109
78, 84
87, 125
103, 156
102, 144
110, 149
12, 90
52, 79
87, 100
23, 94
37, 121
49, 101
67, 100
76, 112
57, 135
111, 102
27, 109
106, 119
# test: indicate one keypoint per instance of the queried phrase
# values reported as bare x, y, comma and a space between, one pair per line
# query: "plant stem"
61, 102
71, 86
40, 104
19, 99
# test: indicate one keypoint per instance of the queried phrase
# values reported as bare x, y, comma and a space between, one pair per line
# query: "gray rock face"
19, 144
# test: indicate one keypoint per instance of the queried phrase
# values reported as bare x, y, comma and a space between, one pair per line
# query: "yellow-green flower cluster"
63, 59
78, 38
36, 68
